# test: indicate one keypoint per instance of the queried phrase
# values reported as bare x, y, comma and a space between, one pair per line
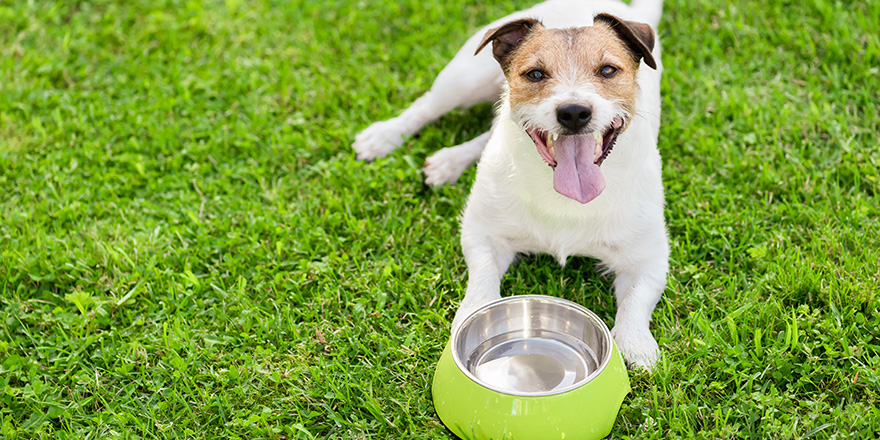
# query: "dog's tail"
653, 9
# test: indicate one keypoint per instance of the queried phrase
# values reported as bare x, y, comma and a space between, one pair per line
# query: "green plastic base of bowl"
474, 412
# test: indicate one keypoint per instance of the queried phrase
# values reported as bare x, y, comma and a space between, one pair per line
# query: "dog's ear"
506, 38
638, 36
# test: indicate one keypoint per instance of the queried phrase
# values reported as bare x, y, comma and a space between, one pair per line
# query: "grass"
188, 248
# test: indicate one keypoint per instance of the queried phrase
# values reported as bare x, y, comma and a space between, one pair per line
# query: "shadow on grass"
454, 128
579, 281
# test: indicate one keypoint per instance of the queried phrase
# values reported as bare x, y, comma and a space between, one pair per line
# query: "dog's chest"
531, 230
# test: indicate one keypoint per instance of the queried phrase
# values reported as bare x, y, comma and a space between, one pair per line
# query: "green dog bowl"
530, 367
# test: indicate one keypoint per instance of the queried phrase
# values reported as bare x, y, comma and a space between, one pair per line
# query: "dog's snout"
573, 116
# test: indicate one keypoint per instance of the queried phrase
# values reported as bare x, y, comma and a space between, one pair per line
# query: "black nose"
573, 116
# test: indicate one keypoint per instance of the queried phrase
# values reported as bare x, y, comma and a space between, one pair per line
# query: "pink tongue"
576, 176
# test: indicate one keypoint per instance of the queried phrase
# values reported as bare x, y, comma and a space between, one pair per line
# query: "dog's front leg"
487, 259
638, 286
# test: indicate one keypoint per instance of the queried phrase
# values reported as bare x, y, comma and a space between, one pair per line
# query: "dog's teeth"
597, 153
552, 151
550, 141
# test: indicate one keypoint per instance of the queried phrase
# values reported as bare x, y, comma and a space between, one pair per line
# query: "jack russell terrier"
571, 165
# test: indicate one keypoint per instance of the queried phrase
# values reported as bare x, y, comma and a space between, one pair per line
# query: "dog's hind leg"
446, 165
467, 80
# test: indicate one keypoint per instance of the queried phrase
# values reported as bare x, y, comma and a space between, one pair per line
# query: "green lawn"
188, 248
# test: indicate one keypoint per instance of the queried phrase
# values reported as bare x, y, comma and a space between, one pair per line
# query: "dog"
570, 165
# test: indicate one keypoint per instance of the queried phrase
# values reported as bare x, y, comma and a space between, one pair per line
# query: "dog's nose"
573, 116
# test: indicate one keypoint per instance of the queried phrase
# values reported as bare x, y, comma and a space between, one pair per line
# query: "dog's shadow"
579, 281
452, 129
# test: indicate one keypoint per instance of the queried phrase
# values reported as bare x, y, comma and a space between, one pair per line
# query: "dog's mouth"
576, 159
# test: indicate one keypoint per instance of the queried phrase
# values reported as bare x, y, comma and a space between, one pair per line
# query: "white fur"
513, 207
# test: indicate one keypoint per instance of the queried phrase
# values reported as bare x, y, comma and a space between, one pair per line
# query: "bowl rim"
588, 314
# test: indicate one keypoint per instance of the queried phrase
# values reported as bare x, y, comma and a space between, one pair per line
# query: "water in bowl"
532, 362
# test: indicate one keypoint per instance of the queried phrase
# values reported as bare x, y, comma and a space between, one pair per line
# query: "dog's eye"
535, 75
608, 71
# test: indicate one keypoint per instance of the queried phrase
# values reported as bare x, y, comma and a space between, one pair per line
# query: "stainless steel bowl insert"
532, 345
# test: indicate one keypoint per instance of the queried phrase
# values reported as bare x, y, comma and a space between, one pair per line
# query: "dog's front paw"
463, 312
469, 305
638, 347
378, 140
443, 167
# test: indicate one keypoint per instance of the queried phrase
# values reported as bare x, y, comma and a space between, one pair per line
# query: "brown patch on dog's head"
605, 56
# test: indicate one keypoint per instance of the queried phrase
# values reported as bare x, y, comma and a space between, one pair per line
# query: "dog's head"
573, 91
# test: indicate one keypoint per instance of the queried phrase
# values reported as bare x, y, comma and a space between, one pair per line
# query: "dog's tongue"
576, 175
